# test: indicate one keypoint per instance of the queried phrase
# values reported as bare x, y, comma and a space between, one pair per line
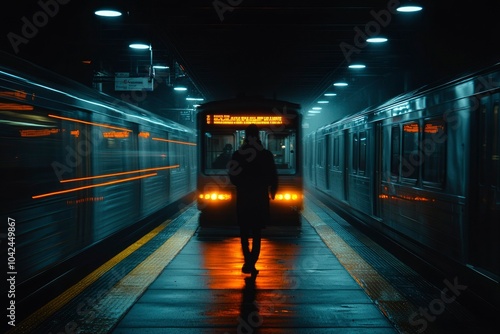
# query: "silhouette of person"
253, 171
223, 158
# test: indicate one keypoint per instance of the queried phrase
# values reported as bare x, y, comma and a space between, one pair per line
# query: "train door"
485, 216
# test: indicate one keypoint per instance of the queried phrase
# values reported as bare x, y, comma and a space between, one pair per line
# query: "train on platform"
221, 128
422, 171
80, 169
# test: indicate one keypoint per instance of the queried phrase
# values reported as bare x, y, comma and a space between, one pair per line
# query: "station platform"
323, 276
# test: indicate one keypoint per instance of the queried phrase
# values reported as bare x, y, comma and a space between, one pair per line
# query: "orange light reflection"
90, 123
117, 174
174, 141
93, 186
223, 259
15, 106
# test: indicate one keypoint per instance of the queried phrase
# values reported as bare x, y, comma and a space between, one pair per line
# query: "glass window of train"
495, 150
395, 151
483, 132
433, 152
336, 161
282, 145
319, 156
355, 153
411, 157
219, 148
362, 152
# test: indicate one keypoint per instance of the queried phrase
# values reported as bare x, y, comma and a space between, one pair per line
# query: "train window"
410, 157
283, 146
362, 152
495, 150
433, 149
336, 158
219, 148
355, 156
319, 156
395, 150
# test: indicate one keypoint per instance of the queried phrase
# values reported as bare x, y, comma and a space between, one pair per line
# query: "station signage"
125, 83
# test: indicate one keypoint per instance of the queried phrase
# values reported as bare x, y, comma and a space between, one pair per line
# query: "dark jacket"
253, 171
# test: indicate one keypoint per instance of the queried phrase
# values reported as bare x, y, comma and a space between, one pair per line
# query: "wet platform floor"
323, 276
301, 287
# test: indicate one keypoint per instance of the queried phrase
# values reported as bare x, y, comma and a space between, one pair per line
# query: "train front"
220, 133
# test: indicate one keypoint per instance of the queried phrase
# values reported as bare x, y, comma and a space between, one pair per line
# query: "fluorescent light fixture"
316, 108
314, 111
357, 66
409, 7
323, 102
160, 67
194, 99
180, 88
341, 84
377, 40
330, 94
139, 46
107, 13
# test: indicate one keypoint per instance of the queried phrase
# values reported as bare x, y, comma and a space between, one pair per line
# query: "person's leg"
247, 255
256, 244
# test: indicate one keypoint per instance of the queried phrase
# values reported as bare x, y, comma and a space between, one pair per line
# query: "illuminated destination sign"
243, 119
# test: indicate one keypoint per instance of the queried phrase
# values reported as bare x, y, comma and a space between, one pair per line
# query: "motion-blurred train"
221, 130
423, 170
80, 168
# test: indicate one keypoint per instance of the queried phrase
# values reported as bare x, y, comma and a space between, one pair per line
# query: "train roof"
23, 73
247, 103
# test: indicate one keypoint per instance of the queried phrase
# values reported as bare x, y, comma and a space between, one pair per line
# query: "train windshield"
220, 145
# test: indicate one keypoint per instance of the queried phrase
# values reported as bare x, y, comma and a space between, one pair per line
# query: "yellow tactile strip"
122, 295
389, 301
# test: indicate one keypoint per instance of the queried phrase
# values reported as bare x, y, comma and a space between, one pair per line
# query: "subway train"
422, 171
80, 170
221, 127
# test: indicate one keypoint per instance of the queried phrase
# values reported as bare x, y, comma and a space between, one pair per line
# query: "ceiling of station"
291, 50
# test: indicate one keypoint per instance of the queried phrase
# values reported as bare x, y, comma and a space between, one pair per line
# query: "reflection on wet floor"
301, 287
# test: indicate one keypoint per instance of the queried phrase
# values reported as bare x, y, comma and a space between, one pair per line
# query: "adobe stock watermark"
89, 309
437, 306
381, 19
31, 26
452, 121
221, 7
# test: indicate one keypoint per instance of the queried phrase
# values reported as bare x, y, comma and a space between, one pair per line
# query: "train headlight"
288, 196
215, 196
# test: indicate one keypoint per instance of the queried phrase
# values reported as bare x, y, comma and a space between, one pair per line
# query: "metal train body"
223, 122
80, 166
423, 170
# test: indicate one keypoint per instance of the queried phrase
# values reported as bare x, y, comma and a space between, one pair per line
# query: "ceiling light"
107, 13
357, 66
161, 67
377, 40
330, 94
180, 88
409, 7
317, 108
340, 84
139, 46
322, 101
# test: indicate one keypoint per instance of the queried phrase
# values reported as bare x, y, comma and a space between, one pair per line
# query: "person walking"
253, 171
